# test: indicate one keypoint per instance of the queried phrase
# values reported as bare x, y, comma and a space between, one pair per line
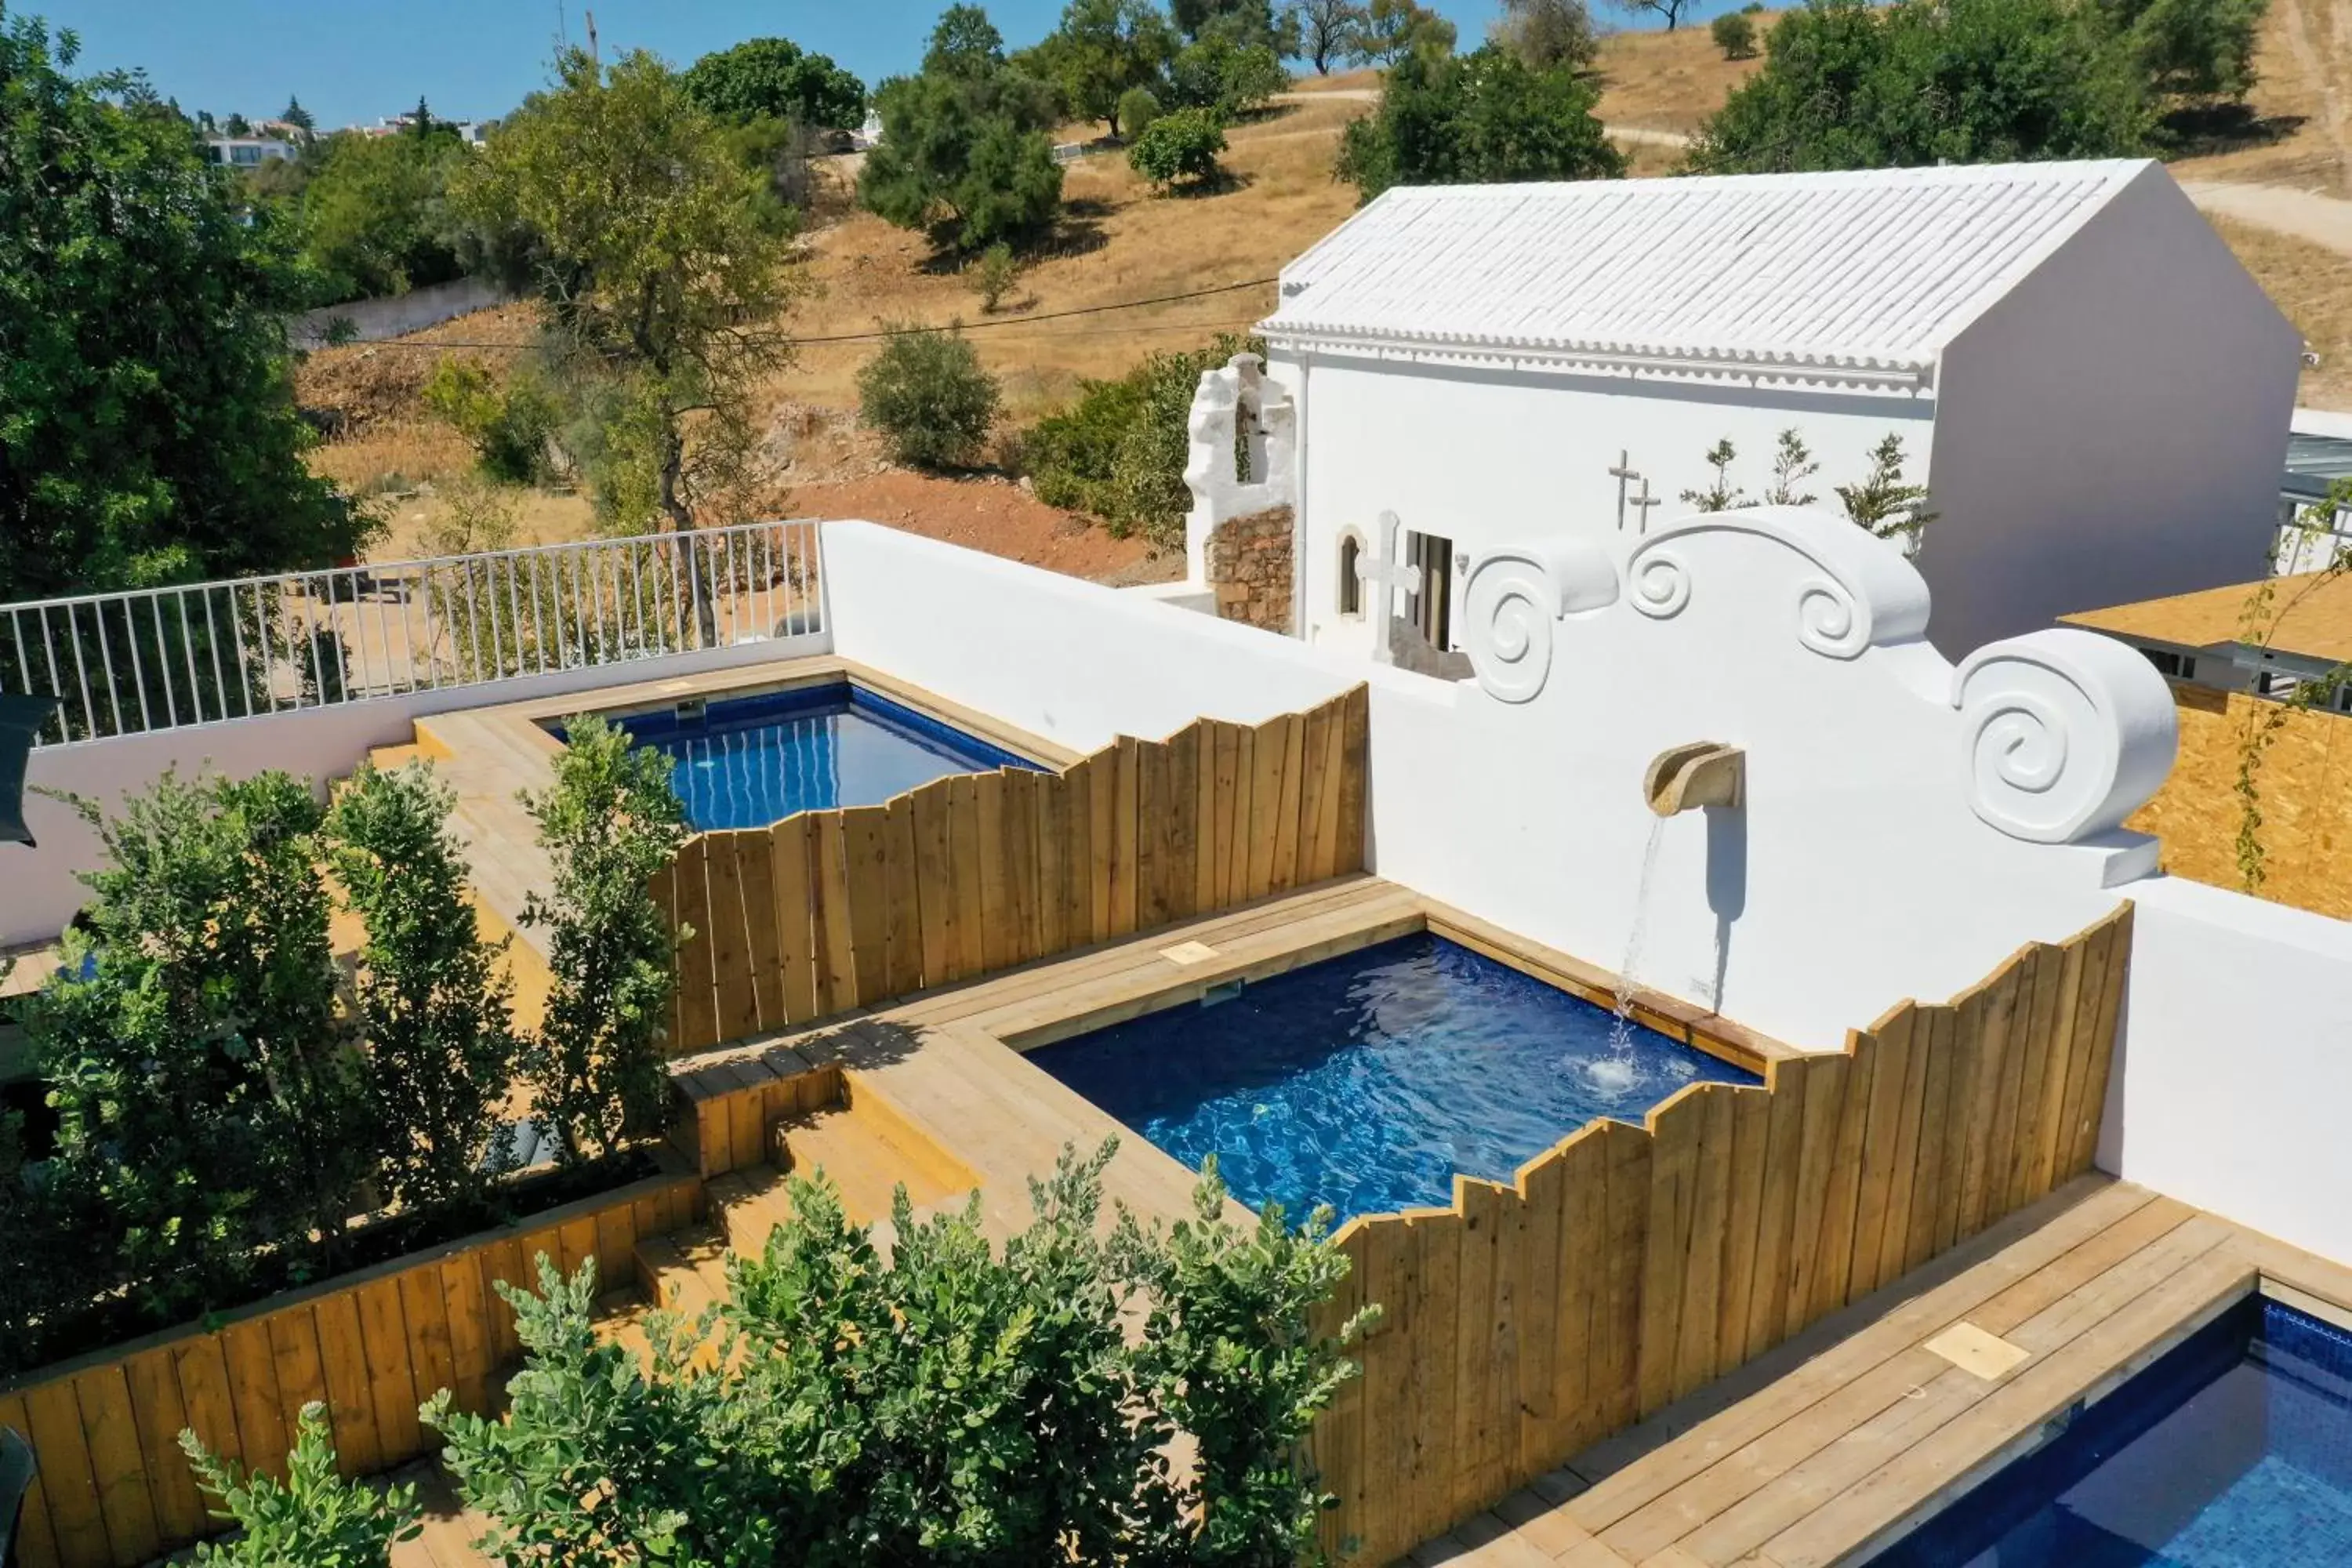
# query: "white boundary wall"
40, 887
1862, 868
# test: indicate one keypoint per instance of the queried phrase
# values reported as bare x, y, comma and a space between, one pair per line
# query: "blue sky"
353, 60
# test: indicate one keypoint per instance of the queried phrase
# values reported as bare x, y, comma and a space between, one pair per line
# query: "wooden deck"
1824, 1450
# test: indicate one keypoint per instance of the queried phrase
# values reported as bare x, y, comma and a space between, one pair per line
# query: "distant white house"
247, 152
2096, 391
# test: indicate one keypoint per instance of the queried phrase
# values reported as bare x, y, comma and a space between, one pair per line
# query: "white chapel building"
2095, 394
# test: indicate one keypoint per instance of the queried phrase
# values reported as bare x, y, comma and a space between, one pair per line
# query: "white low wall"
1064, 658
40, 887
2233, 1089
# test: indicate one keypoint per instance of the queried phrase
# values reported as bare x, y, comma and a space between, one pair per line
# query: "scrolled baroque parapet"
1859, 591
2064, 734
1513, 599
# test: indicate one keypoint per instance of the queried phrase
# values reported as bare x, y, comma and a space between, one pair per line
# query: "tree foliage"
435, 1007
952, 1405
509, 424
1229, 77
1180, 148
1477, 119
1119, 451
926, 391
1326, 30
775, 78
1393, 30
609, 822
1733, 33
1548, 34
315, 1517
662, 260
1849, 85
374, 211
1102, 50
964, 152
2188, 49
131, 455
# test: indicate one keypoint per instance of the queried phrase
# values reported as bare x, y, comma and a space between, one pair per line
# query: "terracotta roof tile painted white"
1848, 276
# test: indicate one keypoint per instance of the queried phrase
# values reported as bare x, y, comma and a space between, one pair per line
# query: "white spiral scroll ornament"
1514, 597
2065, 733
1859, 591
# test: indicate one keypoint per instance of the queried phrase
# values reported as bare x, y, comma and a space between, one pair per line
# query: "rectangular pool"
2233, 1450
1367, 1082
746, 761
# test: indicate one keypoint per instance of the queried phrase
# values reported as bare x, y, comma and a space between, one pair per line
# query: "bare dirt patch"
991, 513
2309, 283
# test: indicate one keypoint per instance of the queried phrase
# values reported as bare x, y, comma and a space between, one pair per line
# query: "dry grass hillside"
1121, 242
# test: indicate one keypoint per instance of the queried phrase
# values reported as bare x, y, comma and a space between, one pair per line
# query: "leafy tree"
210, 1102
1475, 118
965, 152
1180, 148
1326, 30
131, 455
236, 125
1219, 74
1719, 494
925, 390
442, 1050
315, 1517
509, 425
1548, 34
1103, 50
1849, 85
374, 216
1733, 33
1671, 10
1138, 107
609, 822
661, 261
1245, 24
2188, 49
298, 117
775, 78
1792, 465
1393, 30
1883, 502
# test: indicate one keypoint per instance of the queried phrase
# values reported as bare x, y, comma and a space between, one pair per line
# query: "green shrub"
925, 390
508, 427
314, 1518
1477, 119
1220, 74
436, 1009
953, 1405
993, 274
1733, 33
1138, 107
210, 1101
1119, 451
609, 823
1181, 147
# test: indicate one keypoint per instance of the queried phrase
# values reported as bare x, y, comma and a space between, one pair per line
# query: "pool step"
865, 1157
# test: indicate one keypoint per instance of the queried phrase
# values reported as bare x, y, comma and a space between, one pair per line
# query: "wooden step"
746, 1204
685, 1271
387, 758
863, 1161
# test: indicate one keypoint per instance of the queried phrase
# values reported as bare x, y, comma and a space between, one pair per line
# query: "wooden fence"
976, 872
1628, 1266
114, 1489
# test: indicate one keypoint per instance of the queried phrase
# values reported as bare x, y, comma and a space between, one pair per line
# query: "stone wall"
2304, 787
1249, 566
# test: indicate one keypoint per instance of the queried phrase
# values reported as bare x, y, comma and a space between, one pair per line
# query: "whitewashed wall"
1483, 456
41, 887
2237, 1062
2114, 429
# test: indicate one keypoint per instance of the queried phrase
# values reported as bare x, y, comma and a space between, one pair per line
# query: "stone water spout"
1703, 772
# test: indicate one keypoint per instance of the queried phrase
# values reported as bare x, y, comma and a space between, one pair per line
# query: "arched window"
1351, 587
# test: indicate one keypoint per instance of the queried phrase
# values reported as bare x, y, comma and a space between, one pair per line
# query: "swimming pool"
747, 761
2233, 1450
1367, 1082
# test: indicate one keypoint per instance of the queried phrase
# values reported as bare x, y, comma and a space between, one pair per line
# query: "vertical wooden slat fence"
1628, 1266
114, 1489
977, 872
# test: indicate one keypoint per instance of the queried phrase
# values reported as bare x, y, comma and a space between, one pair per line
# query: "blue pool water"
751, 761
1367, 1082
2234, 1450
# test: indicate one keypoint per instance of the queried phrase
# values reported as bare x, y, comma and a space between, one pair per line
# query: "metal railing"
161, 658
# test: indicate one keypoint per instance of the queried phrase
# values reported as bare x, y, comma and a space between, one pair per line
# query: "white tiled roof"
1868, 271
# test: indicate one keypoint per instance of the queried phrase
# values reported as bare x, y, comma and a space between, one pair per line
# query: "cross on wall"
1386, 574
1624, 473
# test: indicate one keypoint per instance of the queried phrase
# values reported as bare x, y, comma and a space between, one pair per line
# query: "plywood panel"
737, 1004
755, 867
261, 1426
383, 1337
867, 901
120, 1468
351, 1396
836, 959
790, 846
155, 1407
902, 936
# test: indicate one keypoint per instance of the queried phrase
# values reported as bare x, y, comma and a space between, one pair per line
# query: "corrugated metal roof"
1860, 272
2315, 461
